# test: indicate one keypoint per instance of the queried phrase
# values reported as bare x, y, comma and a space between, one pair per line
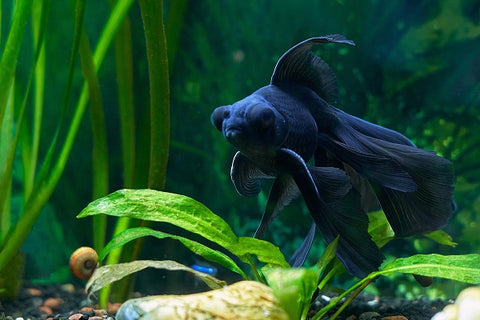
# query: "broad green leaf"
265, 251
197, 248
464, 268
293, 287
152, 205
108, 274
441, 237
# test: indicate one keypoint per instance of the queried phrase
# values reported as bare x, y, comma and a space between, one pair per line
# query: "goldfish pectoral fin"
301, 66
300, 255
283, 191
246, 176
377, 167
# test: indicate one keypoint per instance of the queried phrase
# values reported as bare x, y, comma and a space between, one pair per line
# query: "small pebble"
100, 312
34, 291
394, 318
53, 303
76, 316
369, 316
88, 310
68, 287
45, 310
95, 318
113, 308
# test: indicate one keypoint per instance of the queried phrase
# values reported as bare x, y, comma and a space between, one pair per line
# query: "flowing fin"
300, 255
355, 249
376, 167
246, 176
423, 209
301, 66
431, 206
370, 129
283, 191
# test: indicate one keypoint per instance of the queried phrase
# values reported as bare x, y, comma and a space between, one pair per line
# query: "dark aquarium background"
414, 69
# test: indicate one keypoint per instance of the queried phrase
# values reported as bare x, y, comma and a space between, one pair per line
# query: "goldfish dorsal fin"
301, 66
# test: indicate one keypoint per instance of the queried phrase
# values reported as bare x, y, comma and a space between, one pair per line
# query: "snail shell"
83, 262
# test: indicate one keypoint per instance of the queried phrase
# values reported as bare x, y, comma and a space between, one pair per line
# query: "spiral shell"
83, 262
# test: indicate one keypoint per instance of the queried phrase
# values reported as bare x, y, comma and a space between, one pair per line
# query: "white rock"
244, 300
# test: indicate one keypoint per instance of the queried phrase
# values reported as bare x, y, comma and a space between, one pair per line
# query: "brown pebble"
394, 318
113, 308
53, 303
100, 312
45, 310
95, 318
75, 316
88, 310
34, 292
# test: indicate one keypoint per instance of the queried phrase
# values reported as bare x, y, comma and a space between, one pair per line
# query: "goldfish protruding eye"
218, 115
261, 116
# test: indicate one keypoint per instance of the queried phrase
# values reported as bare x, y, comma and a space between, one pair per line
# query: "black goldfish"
279, 128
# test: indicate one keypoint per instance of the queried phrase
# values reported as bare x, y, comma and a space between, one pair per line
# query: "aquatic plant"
22, 128
39, 181
294, 287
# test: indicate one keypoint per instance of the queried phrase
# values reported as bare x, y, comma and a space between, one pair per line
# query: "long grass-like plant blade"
173, 27
39, 19
35, 204
9, 248
152, 16
100, 152
8, 62
44, 169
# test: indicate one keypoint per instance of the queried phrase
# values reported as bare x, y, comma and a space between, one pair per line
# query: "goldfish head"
251, 124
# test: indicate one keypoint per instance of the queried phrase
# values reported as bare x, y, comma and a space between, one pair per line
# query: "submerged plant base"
74, 299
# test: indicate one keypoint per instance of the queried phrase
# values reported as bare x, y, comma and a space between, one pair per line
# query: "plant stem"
352, 296
152, 16
8, 62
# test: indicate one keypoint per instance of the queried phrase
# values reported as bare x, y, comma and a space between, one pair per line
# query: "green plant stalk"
174, 24
100, 149
7, 152
350, 299
124, 69
8, 62
35, 204
7, 165
152, 16
40, 9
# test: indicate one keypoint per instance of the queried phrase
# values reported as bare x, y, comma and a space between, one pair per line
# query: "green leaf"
197, 248
265, 251
108, 274
294, 288
441, 237
328, 255
464, 268
379, 228
152, 205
